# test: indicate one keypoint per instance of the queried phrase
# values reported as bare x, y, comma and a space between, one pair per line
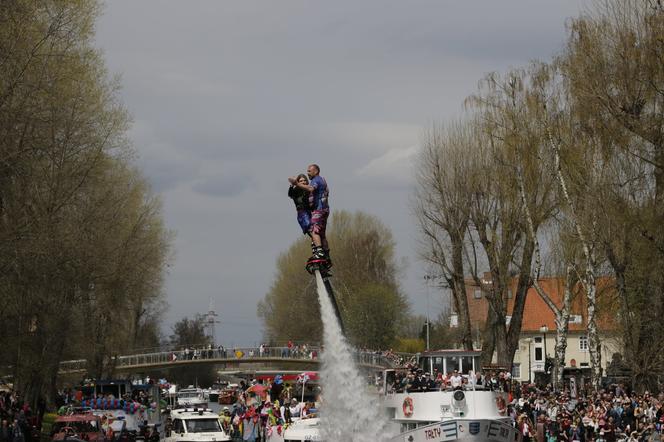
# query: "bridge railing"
377, 359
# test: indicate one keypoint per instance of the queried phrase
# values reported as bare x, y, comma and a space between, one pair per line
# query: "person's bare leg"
315, 238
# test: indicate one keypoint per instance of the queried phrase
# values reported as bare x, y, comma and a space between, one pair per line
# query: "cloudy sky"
231, 97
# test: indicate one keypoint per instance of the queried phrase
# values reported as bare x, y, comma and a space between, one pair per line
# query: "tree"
442, 211
190, 333
73, 211
365, 280
614, 73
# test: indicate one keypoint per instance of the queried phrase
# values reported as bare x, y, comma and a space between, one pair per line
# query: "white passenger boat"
191, 397
468, 413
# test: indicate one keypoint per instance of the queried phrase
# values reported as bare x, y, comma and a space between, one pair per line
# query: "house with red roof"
538, 328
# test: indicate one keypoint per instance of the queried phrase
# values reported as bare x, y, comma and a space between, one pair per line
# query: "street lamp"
530, 369
543, 330
428, 278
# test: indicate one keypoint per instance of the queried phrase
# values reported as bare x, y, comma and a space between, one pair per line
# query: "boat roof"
450, 352
109, 382
77, 418
193, 413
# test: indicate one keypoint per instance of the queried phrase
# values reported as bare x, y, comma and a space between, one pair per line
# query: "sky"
229, 98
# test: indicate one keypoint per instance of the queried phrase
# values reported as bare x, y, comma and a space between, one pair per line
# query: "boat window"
453, 363
467, 362
408, 427
203, 426
105, 390
425, 364
177, 426
390, 379
438, 364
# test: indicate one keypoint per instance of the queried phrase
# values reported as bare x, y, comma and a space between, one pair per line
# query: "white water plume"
350, 413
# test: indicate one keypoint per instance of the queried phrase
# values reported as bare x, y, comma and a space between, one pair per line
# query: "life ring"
407, 407
502, 407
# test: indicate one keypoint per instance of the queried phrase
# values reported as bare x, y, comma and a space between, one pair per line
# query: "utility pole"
530, 358
210, 321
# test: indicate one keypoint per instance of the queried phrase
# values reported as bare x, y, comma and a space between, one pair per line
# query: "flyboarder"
311, 201
320, 210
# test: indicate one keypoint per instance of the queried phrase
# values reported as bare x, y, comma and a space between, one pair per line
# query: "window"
478, 294
538, 340
575, 319
177, 426
203, 426
583, 343
585, 364
539, 354
516, 371
454, 320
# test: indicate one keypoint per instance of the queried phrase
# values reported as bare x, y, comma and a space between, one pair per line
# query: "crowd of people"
291, 350
18, 422
608, 415
414, 379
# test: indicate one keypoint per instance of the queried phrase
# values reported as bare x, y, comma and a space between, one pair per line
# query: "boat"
214, 391
299, 430
191, 397
82, 425
195, 425
469, 411
228, 395
104, 398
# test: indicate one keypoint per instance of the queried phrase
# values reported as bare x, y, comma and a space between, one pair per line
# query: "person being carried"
300, 197
319, 202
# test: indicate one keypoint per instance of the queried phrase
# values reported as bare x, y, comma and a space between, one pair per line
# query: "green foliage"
365, 282
410, 345
82, 244
190, 333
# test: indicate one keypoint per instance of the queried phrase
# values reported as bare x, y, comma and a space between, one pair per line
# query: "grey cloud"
223, 185
165, 173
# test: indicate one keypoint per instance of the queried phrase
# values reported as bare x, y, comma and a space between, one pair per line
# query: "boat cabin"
446, 361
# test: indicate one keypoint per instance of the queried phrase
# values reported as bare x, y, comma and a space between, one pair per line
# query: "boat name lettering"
432, 433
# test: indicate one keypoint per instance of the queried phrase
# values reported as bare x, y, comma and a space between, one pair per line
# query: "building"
538, 328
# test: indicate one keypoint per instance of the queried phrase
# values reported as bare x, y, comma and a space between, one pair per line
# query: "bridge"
281, 357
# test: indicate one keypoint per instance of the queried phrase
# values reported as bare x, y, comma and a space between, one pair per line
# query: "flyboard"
322, 272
